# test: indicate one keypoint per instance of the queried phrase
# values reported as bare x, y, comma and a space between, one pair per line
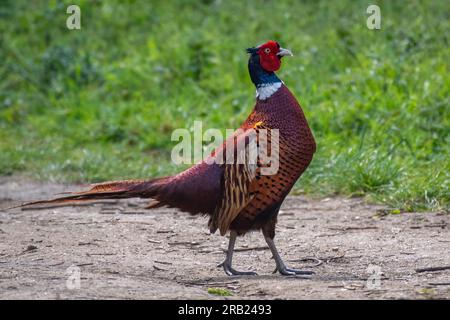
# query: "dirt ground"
117, 250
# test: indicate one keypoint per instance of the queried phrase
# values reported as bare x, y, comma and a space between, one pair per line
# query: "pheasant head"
263, 62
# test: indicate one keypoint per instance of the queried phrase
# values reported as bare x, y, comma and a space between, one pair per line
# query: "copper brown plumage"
237, 196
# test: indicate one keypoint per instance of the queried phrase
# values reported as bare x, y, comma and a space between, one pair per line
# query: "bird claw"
294, 272
232, 272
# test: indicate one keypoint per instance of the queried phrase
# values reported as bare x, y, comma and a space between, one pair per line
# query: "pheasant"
237, 196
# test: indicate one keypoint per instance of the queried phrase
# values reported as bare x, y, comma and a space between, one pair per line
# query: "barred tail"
109, 190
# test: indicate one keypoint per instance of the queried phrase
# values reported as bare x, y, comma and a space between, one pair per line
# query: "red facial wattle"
271, 63
268, 56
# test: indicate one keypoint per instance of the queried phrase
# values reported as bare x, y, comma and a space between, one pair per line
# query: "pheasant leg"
281, 267
229, 258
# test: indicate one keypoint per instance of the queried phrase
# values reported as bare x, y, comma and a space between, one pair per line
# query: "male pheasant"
237, 196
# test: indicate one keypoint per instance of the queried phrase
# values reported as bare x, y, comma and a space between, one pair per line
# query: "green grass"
101, 103
219, 292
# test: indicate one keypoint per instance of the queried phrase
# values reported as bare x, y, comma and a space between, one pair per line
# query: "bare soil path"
124, 252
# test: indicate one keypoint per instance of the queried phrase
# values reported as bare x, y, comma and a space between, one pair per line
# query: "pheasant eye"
267, 50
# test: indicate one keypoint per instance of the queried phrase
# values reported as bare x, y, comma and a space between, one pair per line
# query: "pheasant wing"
241, 170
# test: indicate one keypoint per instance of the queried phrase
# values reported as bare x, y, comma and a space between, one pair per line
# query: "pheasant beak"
284, 52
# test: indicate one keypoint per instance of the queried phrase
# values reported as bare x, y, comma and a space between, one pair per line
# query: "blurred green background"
101, 103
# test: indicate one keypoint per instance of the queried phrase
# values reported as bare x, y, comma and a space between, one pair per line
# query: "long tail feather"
107, 190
